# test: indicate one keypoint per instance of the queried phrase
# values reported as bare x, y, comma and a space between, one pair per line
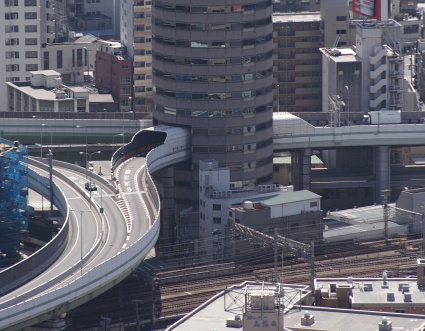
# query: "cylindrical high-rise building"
212, 72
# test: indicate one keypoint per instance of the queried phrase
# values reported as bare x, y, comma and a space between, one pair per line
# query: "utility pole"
386, 213
275, 247
312, 270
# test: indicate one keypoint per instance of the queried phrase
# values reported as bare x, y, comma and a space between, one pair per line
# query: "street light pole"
348, 104
50, 155
85, 128
41, 160
81, 231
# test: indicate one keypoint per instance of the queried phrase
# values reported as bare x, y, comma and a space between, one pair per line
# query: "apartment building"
136, 35
73, 60
27, 26
118, 80
297, 62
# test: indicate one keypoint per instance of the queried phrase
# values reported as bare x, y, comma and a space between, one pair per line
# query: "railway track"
176, 298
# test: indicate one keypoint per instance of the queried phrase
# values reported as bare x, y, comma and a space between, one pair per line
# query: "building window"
125, 80
30, 3
11, 41
10, 3
59, 59
11, 16
341, 18
216, 220
79, 57
12, 55
31, 16
46, 60
31, 54
30, 28
216, 207
12, 67
124, 91
30, 41
313, 204
11, 28
31, 67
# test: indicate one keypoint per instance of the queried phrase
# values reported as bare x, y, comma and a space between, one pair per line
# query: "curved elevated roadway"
116, 242
113, 245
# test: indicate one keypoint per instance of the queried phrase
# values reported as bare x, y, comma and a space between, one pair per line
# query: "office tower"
212, 71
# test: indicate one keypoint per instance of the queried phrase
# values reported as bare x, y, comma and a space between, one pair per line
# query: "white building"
27, 25
369, 76
45, 92
260, 207
73, 60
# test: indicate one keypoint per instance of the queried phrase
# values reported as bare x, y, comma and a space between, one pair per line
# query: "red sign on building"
368, 8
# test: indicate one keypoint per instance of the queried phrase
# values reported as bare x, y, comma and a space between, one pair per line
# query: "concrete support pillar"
301, 169
168, 219
382, 172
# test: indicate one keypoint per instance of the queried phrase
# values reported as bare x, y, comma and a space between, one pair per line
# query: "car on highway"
91, 186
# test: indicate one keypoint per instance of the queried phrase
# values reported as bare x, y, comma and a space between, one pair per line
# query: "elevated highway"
121, 237
291, 132
115, 242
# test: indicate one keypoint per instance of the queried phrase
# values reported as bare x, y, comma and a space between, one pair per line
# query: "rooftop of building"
357, 216
340, 54
100, 98
332, 319
375, 24
279, 199
380, 291
86, 39
214, 313
50, 87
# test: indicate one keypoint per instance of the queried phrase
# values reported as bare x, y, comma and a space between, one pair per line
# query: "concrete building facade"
26, 26
118, 79
73, 60
218, 81
135, 33
45, 93
297, 62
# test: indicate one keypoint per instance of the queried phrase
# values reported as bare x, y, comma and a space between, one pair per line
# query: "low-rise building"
261, 208
118, 79
46, 93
